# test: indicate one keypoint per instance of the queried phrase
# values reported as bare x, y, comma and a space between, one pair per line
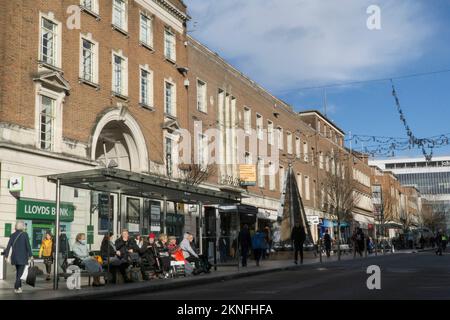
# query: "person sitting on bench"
163, 253
188, 252
127, 248
108, 249
90, 264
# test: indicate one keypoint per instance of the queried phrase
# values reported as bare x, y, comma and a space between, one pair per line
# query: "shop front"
39, 217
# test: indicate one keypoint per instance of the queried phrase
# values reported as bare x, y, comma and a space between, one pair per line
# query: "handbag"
32, 274
25, 273
8, 259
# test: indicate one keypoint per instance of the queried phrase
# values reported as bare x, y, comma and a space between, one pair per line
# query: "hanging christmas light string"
422, 144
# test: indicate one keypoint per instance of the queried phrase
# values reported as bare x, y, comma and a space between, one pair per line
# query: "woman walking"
19, 243
46, 251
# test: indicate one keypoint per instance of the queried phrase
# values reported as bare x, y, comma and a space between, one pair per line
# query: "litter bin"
2, 265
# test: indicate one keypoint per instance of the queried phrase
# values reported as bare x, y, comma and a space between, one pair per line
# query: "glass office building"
432, 178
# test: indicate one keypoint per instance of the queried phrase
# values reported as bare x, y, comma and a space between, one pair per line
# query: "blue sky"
293, 44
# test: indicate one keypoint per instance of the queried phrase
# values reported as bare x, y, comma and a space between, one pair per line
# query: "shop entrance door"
38, 233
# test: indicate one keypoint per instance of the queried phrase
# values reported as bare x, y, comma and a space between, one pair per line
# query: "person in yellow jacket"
46, 251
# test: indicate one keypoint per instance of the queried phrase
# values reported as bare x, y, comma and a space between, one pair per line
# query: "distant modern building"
432, 178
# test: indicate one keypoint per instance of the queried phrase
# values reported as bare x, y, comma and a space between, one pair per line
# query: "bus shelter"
125, 183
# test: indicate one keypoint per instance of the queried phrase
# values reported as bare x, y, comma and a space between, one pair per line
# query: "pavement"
43, 289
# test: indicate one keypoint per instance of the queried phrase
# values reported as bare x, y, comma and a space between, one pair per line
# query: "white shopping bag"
25, 274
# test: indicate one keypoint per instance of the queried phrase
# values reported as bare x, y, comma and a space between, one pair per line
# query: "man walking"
298, 237
327, 243
439, 243
244, 242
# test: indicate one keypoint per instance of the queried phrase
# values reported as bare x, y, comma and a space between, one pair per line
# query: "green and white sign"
15, 184
43, 210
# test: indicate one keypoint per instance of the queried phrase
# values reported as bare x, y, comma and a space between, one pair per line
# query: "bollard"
2, 265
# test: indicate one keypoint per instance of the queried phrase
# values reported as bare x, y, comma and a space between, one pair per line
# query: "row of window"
89, 65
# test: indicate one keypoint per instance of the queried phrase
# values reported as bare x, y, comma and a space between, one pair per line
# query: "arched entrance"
118, 142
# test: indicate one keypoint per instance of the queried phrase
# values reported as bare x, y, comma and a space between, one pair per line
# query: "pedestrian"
370, 245
258, 245
244, 243
223, 247
298, 237
19, 243
439, 243
444, 241
64, 249
327, 243
46, 252
422, 242
359, 241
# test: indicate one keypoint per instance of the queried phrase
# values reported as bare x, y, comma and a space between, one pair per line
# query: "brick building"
120, 88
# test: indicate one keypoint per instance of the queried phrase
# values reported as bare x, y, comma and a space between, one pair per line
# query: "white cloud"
286, 44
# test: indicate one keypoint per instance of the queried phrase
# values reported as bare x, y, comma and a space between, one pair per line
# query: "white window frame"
300, 183
320, 159
298, 147
261, 173
202, 89
149, 25
57, 119
170, 45
57, 49
150, 96
260, 126
305, 151
270, 134
272, 182
202, 150
280, 138
174, 152
94, 6
281, 174
124, 15
124, 73
173, 107
247, 120
307, 188
95, 69
248, 158
289, 142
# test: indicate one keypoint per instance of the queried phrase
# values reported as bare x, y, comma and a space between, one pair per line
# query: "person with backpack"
19, 243
258, 245
46, 252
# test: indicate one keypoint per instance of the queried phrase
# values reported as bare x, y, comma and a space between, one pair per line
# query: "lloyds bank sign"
43, 210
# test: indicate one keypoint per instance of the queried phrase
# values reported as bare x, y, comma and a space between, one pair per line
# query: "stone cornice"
173, 10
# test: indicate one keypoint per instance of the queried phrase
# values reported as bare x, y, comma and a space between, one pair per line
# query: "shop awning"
240, 208
143, 185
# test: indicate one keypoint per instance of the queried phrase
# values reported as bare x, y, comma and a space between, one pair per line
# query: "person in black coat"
298, 237
109, 255
127, 247
327, 243
19, 243
244, 241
